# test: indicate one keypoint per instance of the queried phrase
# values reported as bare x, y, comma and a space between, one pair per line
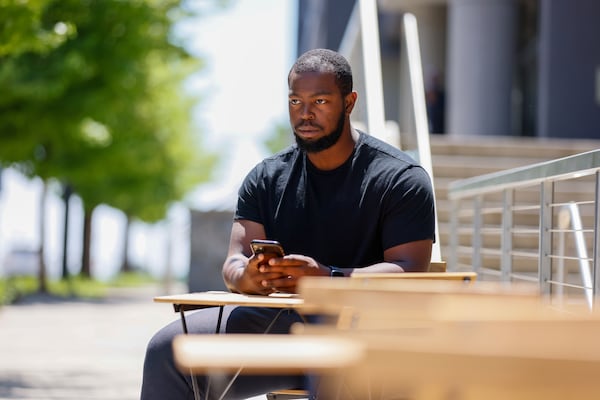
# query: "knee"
260, 320
160, 345
161, 379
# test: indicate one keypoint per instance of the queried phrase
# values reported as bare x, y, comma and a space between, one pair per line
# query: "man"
339, 201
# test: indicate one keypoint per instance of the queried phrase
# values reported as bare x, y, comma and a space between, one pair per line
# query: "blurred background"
118, 118
127, 126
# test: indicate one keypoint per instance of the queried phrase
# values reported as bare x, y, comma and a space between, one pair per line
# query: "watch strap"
335, 271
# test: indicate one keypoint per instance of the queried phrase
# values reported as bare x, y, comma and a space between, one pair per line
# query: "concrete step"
507, 146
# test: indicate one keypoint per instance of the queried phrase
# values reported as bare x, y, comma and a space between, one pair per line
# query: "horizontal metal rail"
499, 223
560, 169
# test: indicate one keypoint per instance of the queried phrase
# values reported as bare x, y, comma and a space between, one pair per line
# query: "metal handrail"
417, 90
545, 176
372, 62
364, 15
563, 168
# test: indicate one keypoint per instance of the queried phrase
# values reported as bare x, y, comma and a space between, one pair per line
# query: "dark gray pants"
162, 381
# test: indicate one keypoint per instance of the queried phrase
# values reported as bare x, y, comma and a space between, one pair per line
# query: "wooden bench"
482, 360
423, 301
544, 355
412, 331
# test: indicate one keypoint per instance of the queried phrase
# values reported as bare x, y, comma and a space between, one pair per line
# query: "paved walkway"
54, 349
75, 349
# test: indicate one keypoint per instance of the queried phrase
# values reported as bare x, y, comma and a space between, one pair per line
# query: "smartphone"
267, 246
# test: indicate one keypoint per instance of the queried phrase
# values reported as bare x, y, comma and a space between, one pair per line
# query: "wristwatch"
335, 271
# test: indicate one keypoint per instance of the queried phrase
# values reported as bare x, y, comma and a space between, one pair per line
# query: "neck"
337, 154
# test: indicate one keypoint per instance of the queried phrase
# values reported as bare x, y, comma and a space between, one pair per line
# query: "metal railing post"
596, 248
545, 242
582, 255
506, 235
477, 239
564, 221
454, 236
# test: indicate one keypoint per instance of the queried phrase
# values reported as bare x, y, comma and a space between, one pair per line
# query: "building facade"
490, 67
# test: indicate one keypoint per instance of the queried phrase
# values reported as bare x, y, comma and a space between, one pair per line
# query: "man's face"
316, 109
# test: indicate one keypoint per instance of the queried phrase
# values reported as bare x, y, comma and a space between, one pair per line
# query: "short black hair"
325, 61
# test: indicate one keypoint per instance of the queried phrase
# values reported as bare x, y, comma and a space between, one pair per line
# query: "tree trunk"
86, 270
67, 192
42, 278
125, 266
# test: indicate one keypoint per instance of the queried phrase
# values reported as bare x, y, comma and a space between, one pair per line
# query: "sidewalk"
54, 349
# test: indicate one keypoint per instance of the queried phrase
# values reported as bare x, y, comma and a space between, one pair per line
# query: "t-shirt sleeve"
409, 210
248, 203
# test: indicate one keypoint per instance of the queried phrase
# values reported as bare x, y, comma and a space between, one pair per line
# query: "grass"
11, 289
14, 288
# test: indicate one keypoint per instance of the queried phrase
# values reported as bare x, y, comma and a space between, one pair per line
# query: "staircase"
460, 157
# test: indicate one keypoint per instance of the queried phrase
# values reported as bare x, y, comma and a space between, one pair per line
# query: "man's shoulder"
377, 148
279, 160
284, 155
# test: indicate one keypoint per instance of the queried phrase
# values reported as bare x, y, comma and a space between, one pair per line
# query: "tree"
88, 110
21, 29
280, 138
21, 32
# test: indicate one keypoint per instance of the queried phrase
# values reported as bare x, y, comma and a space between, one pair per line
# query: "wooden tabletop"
463, 276
221, 298
263, 354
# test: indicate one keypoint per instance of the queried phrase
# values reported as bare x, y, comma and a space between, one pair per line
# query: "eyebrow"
317, 94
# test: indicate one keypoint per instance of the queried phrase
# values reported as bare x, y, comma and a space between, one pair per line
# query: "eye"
294, 102
320, 101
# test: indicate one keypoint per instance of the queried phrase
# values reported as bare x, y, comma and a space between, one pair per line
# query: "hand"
253, 279
281, 274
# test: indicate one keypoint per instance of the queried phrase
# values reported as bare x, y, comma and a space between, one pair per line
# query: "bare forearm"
386, 267
233, 272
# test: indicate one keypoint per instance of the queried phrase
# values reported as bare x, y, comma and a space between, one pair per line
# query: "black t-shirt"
347, 217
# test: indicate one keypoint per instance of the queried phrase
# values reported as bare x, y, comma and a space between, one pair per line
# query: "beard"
315, 146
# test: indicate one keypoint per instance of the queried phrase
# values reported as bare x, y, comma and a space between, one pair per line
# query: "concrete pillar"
569, 69
481, 44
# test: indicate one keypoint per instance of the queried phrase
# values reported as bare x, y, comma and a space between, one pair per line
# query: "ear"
350, 100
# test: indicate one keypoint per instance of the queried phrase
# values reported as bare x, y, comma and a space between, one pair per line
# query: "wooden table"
194, 301
462, 276
199, 300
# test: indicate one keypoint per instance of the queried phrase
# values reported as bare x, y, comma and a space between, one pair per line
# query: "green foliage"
280, 138
79, 287
12, 289
94, 98
15, 288
21, 29
132, 279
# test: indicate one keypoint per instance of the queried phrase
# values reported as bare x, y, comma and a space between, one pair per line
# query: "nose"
306, 113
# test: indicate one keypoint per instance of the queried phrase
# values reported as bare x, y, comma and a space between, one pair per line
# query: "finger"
285, 261
273, 280
285, 282
273, 269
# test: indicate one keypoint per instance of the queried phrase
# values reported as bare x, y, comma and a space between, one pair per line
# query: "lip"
307, 130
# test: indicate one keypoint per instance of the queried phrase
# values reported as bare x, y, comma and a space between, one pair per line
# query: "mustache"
307, 124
